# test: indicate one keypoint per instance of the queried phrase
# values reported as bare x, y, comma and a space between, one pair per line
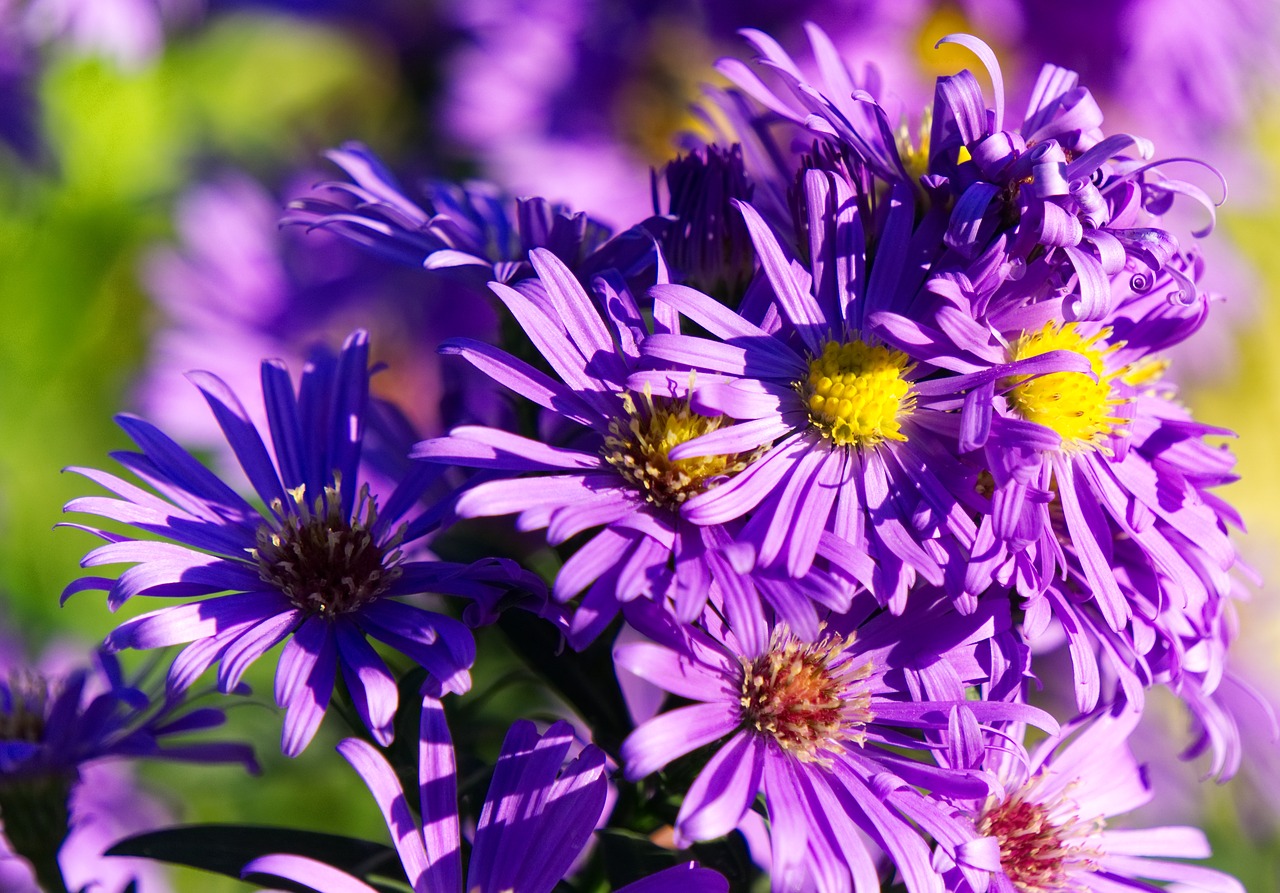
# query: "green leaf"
226, 849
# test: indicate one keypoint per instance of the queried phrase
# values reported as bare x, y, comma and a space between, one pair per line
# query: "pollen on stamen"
1044, 848
857, 393
639, 447
326, 564
808, 696
1078, 406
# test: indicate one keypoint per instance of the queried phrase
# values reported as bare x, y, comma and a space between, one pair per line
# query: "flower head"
321, 564
620, 470
819, 726
60, 798
1049, 821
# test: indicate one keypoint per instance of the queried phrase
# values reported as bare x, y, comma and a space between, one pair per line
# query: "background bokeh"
113, 111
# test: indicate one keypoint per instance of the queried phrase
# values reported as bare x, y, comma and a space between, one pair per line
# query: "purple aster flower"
853, 443
321, 565
1098, 474
537, 818
474, 233
106, 804
1049, 819
616, 473
61, 805
1069, 196
819, 727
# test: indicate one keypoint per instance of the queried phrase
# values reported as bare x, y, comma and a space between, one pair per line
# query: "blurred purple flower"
58, 724
239, 288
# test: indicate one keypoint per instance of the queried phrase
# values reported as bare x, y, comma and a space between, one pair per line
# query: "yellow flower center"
640, 446
914, 149
856, 392
807, 696
1076, 405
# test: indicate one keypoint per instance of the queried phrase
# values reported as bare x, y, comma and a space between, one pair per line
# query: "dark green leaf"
226, 849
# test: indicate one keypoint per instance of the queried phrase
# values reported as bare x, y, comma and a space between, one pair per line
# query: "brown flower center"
324, 563
22, 706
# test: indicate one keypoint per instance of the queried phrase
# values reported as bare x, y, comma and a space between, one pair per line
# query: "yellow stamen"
640, 446
1076, 405
857, 393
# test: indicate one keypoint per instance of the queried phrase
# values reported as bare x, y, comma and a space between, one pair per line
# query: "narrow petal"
372, 687
723, 790
674, 734
304, 683
308, 872
438, 778
382, 782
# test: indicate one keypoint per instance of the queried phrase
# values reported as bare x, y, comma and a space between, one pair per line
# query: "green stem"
36, 820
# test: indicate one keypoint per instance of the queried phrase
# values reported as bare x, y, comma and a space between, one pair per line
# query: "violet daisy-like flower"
618, 472
59, 728
819, 726
1080, 460
1050, 818
321, 564
472, 231
1071, 198
537, 818
852, 443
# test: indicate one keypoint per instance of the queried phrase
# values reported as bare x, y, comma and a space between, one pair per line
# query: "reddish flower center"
1041, 849
807, 696
324, 563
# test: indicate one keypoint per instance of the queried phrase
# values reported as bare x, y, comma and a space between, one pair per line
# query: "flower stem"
35, 818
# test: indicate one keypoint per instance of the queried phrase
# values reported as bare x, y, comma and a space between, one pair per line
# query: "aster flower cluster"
802, 482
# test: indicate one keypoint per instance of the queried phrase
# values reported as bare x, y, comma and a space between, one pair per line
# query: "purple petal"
674, 671
522, 378
372, 687
478, 447
241, 434
442, 645
723, 790
252, 645
304, 683
438, 780
308, 872
740, 438
186, 623
687, 878
674, 734
382, 782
